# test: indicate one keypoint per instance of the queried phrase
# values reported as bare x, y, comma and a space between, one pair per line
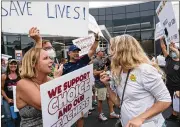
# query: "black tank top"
8, 86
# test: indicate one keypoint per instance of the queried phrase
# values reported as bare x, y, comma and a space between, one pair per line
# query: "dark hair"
8, 70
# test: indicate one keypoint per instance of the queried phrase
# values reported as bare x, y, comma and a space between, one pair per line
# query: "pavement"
92, 120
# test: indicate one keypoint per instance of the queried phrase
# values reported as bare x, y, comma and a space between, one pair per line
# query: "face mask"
174, 55
51, 53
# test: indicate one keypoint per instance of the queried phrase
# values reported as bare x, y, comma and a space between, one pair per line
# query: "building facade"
138, 20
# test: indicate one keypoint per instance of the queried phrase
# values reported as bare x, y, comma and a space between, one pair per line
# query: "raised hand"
34, 34
163, 46
97, 37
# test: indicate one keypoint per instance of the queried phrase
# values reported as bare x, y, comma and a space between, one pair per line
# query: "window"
120, 9
93, 11
147, 22
156, 19
108, 11
147, 35
135, 35
147, 41
101, 11
109, 23
96, 17
101, 17
147, 6
147, 13
101, 22
132, 8
132, 15
119, 22
109, 17
157, 4
26, 43
119, 16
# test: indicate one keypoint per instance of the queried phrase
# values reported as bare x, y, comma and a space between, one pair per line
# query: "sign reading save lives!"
167, 18
84, 44
52, 18
65, 99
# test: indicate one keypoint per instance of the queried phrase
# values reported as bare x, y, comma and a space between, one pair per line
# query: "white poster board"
84, 44
14, 99
52, 18
65, 99
18, 55
93, 26
159, 31
166, 16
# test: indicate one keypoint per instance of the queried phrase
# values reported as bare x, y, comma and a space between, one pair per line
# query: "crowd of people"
127, 78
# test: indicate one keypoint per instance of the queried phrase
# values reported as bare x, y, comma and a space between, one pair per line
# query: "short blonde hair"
127, 53
28, 63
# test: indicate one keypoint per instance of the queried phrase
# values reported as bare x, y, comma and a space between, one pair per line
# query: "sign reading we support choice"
166, 16
65, 99
51, 18
84, 44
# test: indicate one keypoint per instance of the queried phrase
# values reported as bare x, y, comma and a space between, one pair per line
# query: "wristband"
97, 40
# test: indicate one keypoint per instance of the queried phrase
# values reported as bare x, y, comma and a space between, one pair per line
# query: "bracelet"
97, 40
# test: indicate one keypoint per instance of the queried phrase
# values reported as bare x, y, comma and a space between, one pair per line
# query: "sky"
97, 4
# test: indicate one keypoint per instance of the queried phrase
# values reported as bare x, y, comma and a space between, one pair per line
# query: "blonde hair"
127, 53
28, 63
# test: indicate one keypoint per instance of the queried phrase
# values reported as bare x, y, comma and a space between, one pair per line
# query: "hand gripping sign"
66, 98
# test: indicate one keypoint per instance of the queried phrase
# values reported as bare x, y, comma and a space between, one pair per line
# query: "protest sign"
84, 44
166, 16
159, 31
65, 99
18, 55
93, 26
52, 18
14, 99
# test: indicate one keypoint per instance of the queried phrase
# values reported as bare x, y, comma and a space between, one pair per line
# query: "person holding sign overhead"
36, 65
74, 63
172, 69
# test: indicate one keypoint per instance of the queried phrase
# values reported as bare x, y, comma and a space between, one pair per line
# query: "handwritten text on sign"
45, 15
167, 18
159, 31
84, 44
65, 99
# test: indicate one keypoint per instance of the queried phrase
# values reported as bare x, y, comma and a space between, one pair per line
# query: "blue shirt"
72, 66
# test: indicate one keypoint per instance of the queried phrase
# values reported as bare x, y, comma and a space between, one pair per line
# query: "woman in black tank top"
9, 80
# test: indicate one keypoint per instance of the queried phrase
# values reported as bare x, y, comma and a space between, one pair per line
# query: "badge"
176, 67
133, 77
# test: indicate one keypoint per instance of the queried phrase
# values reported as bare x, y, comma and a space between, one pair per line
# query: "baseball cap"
12, 60
73, 48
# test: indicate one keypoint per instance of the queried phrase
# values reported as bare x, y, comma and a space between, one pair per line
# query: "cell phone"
56, 61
